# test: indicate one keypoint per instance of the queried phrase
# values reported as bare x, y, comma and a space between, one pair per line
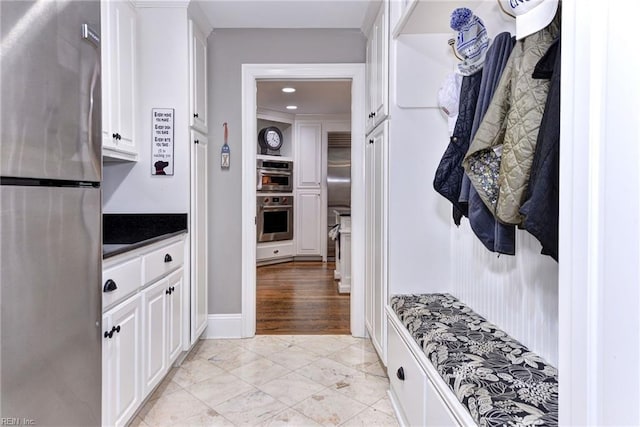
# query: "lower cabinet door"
154, 364
175, 315
407, 380
122, 344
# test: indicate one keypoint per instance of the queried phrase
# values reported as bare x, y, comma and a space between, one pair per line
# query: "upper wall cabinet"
197, 77
378, 69
119, 80
308, 164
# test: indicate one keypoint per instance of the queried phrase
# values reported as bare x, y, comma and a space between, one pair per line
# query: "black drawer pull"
400, 373
173, 289
109, 286
195, 114
168, 291
167, 258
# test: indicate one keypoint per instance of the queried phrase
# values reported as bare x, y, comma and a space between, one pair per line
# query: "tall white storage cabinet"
199, 284
376, 294
119, 80
308, 192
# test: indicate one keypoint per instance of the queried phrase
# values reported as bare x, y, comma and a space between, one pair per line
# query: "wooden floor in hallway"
300, 298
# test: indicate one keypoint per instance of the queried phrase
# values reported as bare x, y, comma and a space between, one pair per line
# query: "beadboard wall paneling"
518, 293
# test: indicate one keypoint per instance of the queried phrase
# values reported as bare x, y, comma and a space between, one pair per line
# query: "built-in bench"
496, 378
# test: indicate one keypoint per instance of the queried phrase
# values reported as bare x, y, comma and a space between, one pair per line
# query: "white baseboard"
344, 287
224, 326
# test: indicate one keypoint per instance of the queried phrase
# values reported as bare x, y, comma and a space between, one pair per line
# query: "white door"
376, 229
308, 166
120, 81
154, 364
175, 314
122, 392
199, 237
308, 213
198, 60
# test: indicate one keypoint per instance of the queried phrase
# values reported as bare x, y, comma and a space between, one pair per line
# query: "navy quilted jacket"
541, 209
448, 179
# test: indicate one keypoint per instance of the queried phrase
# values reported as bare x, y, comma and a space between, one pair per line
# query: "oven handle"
263, 171
276, 208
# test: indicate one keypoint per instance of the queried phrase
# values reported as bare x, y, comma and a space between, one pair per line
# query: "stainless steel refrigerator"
338, 180
50, 213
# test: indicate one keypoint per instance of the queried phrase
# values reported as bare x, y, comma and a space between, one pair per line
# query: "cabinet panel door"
199, 262
198, 44
175, 315
380, 94
308, 213
126, 72
154, 363
122, 364
309, 154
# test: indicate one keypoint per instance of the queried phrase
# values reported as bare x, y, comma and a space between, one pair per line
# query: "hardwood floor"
300, 298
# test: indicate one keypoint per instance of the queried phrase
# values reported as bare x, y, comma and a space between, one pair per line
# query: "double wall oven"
274, 211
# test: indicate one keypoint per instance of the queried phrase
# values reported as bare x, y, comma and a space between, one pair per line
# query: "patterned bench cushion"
498, 380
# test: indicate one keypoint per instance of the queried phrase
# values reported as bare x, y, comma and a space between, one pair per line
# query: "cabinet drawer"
163, 261
410, 392
274, 250
126, 278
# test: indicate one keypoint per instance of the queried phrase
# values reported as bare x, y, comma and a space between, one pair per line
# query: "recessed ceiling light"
292, 107
288, 89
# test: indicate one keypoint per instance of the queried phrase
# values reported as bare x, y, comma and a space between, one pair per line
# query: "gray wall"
228, 49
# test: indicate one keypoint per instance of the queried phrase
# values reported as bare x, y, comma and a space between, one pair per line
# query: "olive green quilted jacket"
499, 159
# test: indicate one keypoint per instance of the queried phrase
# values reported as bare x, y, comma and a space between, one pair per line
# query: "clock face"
273, 139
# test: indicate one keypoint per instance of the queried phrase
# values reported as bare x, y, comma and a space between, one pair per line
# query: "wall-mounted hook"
452, 43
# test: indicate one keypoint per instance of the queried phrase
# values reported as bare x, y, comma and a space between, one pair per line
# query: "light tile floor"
274, 380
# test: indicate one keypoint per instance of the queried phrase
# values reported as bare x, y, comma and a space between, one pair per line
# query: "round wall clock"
270, 138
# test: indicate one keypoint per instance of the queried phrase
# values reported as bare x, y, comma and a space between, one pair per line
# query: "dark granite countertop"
126, 232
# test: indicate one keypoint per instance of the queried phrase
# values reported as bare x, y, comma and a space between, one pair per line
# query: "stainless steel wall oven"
274, 176
275, 218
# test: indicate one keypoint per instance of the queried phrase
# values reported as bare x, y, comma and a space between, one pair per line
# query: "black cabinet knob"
109, 286
196, 141
173, 289
373, 114
109, 334
168, 291
195, 114
167, 258
371, 141
115, 136
400, 373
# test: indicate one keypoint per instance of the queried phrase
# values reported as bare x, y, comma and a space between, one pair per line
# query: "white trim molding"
599, 296
224, 326
251, 73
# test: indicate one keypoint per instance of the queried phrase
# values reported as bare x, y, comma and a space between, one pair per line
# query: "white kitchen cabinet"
197, 77
154, 364
121, 360
376, 236
272, 251
308, 164
175, 317
119, 80
377, 69
308, 231
199, 239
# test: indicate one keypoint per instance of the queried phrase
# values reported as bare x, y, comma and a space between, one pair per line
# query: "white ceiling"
311, 96
285, 13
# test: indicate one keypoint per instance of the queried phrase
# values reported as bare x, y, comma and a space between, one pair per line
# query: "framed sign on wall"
162, 124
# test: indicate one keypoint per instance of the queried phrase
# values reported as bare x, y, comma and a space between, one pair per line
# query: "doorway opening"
303, 166
304, 255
